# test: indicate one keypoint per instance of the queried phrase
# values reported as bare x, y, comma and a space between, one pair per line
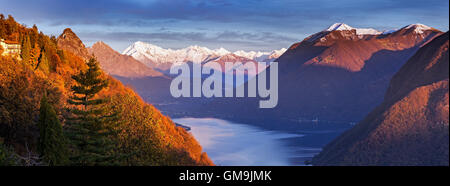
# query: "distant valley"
330, 80
336, 75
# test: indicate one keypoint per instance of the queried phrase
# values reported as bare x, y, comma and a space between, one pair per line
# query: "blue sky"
232, 24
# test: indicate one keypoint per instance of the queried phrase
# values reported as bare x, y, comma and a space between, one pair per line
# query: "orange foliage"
151, 138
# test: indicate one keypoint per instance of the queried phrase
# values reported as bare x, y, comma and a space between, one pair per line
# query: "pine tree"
52, 142
26, 50
91, 129
42, 63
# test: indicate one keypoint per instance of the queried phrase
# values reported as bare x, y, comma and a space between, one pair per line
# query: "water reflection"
230, 143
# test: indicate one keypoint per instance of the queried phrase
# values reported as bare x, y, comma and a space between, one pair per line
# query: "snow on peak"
359, 31
144, 44
418, 28
151, 54
418, 25
222, 51
261, 56
277, 53
339, 26
367, 31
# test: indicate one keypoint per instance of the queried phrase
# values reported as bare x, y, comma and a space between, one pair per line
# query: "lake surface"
229, 143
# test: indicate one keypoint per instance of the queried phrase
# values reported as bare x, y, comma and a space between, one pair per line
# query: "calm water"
230, 143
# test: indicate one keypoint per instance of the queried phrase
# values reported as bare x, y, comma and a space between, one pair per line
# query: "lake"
235, 144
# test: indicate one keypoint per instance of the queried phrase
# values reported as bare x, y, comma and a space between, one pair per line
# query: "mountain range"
336, 75
394, 82
118, 64
162, 59
411, 125
110, 60
341, 75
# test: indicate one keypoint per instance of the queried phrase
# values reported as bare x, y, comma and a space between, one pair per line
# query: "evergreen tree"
52, 143
42, 63
91, 128
26, 50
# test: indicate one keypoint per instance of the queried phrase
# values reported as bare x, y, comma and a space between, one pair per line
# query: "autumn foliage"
144, 134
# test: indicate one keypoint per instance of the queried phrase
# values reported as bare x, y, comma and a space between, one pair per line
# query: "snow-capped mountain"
261, 56
157, 57
343, 31
334, 75
117, 64
418, 28
359, 31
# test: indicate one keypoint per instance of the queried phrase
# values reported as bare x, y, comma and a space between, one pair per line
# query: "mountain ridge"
157, 57
69, 41
411, 126
339, 79
118, 64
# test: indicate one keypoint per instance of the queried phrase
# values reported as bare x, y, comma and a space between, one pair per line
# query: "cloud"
246, 23
121, 36
226, 36
282, 12
228, 39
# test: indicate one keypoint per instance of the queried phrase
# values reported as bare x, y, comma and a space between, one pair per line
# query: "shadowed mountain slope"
411, 126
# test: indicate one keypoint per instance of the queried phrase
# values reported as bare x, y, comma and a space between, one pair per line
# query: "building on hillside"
11, 48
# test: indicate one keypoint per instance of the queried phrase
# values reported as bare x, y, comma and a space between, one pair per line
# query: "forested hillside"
43, 90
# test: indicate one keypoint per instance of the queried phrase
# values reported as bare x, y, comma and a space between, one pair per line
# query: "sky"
262, 25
